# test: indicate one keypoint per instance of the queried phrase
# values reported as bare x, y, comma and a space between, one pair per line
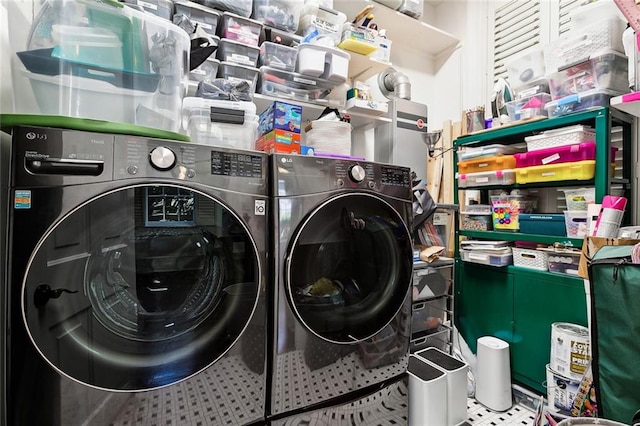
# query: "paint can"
570, 350
561, 392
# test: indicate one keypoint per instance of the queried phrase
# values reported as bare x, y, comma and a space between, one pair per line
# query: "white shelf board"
361, 67
632, 108
311, 111
401, 29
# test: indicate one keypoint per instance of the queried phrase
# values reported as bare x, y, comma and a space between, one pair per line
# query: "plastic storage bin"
323, 62
542, 223
121, 65
524, 68
220, 123
428, 315
238, 53
469, 153
413, 8
579, 102
575, 223
279, 56
530, 259
579, 198
604, 71
506, 211
206, 71
560, 137
161, 8
525, 108
291, 85
197, 14
240, 7
474, 221
487, 258
497, 177
282, 14
316, 19
236, 72
431, 281
485, 164
532, 88
580, 170
358, 39
241, 29
563, 261
563, 154
576, 46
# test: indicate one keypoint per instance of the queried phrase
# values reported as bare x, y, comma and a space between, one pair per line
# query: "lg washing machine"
341, 297
135, 289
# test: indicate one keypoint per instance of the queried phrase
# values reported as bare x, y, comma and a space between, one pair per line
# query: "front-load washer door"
349, 267
141, 287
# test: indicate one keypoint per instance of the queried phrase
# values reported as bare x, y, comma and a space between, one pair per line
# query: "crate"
487, 258
560, 137
542, 224
606, 71
485, 164
237, 53
497, 177
530, 259
579, 102
580, 170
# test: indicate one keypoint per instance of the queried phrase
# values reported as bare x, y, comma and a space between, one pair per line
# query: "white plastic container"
324, 62
530, 259
560, 137
413, 8
221, 123
427, 393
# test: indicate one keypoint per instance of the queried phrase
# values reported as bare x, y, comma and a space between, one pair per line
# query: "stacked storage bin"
491, 253
528, 79
485, 166
586, 66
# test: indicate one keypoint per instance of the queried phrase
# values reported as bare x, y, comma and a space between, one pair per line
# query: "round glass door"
141, 287
349, 268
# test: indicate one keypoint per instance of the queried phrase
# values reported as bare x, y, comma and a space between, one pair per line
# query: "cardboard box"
280, 116
280, 141
590, 247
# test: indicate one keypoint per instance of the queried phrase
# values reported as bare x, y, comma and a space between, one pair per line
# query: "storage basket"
530, 259
560, 137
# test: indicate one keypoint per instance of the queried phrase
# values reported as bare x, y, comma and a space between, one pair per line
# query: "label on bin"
551, 158
482, 180
147, 5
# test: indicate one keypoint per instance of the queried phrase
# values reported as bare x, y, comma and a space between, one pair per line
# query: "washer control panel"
162, 158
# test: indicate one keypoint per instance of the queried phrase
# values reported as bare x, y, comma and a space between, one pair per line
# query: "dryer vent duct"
394, 84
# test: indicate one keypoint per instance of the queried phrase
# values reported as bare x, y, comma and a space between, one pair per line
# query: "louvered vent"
517, 28
565, 6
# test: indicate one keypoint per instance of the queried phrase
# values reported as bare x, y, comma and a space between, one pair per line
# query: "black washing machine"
341, 281
136, 283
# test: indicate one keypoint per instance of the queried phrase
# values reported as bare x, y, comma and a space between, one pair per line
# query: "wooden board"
446, 188
434, 175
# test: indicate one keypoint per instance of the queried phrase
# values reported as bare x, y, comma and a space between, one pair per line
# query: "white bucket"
561, 392
570, 350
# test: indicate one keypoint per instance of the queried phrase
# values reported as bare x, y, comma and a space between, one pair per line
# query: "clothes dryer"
136, 282
341, 280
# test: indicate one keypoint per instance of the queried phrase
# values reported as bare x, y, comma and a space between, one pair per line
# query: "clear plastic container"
485, 164
161, 8
473, 221
221, 123
497, 177
238, 28
122, 64
238, 53
236, 72
524, 68
278, 56
316, 20
560, 137
581, 170
413, 8
206, 71
291, 85
563, 261
469, 153
428, 315
605, 71
506, 211
579, 198
282, 14
579, 102
239, 7
532, 88
576, 46
197, 14
487, 258
525, 108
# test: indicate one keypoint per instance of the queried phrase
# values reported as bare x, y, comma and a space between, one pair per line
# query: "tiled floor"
478, 415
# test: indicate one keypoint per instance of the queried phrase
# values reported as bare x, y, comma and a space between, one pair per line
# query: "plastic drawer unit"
486, 164
579, 102
221, 123
497, 177
560, 137
605, 71
240, 29
282, 14
238, 53
580, 170
240, 7
278, 56
188, 14
487, 258
291, 85
429, 282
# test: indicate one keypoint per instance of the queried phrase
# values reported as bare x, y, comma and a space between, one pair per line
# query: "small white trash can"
493, 375
427, 394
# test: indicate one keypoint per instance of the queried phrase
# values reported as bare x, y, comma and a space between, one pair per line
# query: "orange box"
281, 141
485, 164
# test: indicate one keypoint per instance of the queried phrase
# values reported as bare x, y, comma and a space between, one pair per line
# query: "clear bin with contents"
469, 153
237, 72
321, 21
291, 85
525, 68
240, 7
240, 29
238, 53
282, 14
279, 56
485, 164
528, 107
487, 258
579, 102
497, 177
188, 15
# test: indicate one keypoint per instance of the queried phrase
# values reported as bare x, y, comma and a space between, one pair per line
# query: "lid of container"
332, 50
193, 103
236, 65
423, 370
85, 36
9, 121
441, 359
196, 6
580, 97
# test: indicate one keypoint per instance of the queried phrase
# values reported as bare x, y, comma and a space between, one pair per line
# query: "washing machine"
341, 281
136, 283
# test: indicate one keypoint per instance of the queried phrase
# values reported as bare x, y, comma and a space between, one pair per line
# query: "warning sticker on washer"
22, 200
260, 207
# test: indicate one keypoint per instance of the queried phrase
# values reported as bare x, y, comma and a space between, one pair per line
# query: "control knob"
357, 173
162, 158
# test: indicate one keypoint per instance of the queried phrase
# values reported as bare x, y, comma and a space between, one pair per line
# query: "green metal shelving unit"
518, 304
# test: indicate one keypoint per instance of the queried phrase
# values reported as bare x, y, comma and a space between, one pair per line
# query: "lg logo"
39, 136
